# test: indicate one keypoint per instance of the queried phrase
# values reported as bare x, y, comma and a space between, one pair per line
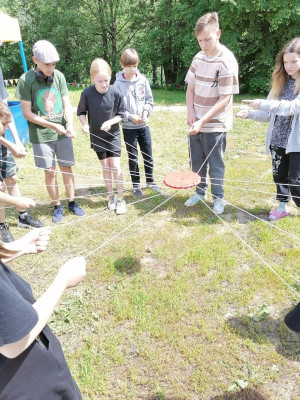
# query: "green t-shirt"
46, 102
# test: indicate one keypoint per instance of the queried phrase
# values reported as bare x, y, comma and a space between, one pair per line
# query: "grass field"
175, 305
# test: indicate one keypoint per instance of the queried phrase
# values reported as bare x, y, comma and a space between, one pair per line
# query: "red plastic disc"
182, 179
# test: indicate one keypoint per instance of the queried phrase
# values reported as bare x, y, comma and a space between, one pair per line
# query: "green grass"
176, 307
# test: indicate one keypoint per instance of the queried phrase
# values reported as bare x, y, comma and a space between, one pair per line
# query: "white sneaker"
218, 206
121, 207
111, 204
194, 200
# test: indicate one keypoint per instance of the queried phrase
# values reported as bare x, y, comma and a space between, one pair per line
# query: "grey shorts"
44, 153
8, 167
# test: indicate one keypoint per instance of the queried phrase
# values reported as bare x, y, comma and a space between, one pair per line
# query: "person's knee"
50, 173
11, 181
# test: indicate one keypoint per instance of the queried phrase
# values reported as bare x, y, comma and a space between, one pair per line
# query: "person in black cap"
46, 105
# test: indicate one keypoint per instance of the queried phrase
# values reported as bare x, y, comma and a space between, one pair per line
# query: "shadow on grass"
269, 330
127, 265
245, 394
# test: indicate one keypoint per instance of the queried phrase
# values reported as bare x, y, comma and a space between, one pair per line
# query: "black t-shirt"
17, 316
40, 371
100, 108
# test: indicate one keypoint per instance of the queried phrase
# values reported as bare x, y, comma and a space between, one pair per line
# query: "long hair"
280, 77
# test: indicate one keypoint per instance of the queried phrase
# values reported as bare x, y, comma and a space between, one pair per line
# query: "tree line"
162, 31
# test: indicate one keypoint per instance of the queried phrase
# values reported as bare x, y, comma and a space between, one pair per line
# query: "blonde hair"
129, 57
100, 66
280, 77
5, 114
209, 20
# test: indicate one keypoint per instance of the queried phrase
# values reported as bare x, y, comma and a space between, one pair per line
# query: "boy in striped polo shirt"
212, 80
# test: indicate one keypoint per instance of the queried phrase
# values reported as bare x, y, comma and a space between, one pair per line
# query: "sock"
23, 214
71, 203
282, 206
57, 206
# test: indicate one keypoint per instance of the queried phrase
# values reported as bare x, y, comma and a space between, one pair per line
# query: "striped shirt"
210, 78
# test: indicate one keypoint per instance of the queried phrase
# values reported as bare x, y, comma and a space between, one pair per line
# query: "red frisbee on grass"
182, 179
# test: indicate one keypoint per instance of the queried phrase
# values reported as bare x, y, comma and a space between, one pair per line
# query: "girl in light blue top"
282, 110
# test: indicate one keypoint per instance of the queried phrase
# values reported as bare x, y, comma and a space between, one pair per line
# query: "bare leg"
107, 175
69, 181
51, 184
115, 166
2, 205
13, 187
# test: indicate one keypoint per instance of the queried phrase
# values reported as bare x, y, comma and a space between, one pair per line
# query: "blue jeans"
202, 156
140, 136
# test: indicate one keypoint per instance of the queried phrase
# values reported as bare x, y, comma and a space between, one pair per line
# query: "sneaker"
5, 234
193, 200
218, 206
137, 191
27, 221
58, 214
111, 205
77, 210
121, 207
153, 186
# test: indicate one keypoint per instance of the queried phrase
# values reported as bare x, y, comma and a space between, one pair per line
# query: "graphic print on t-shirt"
49, 103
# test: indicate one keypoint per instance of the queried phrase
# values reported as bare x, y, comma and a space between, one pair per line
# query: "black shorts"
106, 154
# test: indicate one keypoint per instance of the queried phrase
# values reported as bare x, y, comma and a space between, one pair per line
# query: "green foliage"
161, 30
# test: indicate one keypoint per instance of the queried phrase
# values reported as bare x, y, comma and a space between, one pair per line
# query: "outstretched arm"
69, 275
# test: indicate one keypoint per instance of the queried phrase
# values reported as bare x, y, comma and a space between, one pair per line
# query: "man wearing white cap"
46, 105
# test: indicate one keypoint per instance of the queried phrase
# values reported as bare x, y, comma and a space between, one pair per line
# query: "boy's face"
130, 70
47, 69
101, 82
208, 41
3, 127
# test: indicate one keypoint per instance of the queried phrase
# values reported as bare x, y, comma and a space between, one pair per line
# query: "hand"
33, 242
70, 132
136, 119
190, 120
72, 272
37, 240
23, 203
195, 128
106, 126
17, 150
242, 114
60, 129
145, 119
255, 104
86, 128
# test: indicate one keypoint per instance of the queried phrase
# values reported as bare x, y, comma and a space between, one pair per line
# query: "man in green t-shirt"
46, 105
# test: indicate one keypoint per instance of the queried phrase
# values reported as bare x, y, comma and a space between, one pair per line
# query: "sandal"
274, 215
